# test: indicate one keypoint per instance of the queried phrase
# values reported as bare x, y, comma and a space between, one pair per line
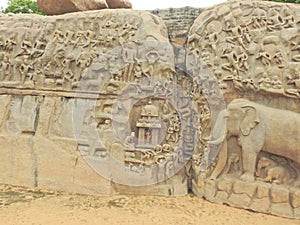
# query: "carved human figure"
274, 20
26, 45
39, 46
9, 44
148, 136
265, 58
66, 64
173, 129
166, 148
232, 63
5, 67
130, 25
240, 35
287, 17
258, 19
293, 84
25, 68
295, 47
130, 141
129, 55
59, 56
110, 30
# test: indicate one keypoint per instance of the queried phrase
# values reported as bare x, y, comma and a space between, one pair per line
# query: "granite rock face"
54, 7
115, 4
57, 7
61, 77
252, 50
104, 98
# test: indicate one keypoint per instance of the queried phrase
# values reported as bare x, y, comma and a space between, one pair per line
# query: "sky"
159, 4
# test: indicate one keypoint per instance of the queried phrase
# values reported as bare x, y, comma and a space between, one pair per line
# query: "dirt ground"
39, 207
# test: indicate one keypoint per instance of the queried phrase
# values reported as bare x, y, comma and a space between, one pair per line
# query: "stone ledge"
257, 196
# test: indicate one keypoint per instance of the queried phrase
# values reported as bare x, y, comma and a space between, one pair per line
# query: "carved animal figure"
277, 175
269, 171
257, 127
233, 163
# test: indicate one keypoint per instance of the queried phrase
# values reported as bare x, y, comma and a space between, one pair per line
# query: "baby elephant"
274, 173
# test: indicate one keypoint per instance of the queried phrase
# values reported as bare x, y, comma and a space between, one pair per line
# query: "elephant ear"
250, 120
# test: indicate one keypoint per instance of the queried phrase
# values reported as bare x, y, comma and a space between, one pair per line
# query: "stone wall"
178, 22
259, 197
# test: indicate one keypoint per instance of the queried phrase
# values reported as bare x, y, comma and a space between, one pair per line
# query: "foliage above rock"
286, 1
22, 6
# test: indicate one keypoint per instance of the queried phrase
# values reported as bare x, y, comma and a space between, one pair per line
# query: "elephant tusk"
217, 141
221, 163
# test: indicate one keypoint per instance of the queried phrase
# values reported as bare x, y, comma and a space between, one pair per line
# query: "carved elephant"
269, 171
257, 128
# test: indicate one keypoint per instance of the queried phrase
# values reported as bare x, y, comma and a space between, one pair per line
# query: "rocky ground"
39, 207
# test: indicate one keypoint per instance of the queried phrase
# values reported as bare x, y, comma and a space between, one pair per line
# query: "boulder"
54, 7
57, 7
113, 4
85, 5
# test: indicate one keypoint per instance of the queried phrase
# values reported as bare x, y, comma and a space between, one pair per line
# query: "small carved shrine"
148, 127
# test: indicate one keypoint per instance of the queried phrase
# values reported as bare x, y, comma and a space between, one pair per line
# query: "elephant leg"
249, 161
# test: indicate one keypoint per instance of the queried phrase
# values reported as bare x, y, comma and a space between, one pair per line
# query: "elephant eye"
235, 115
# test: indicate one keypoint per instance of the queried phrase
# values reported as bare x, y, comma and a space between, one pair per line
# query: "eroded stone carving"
254, 126
139, 118
87, 63
252, 51
254, 34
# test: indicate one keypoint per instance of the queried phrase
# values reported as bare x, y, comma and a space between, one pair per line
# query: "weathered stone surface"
240, 42
114, 4
50, 68
241, 187
282, 209
61, 167
225, 185
178, 22
295, 199
209, 190
222, 195
40, 97
55, 7
18, 161
297, 213
263, 190
84, 5
261, 205
172, 187
241, 200
197, 191
279, 194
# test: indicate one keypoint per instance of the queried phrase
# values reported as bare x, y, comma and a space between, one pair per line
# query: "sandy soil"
35, 207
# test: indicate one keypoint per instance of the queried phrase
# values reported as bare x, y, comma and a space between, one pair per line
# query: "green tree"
286, 1
22, 6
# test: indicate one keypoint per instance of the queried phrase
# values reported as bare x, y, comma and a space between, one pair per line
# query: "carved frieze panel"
252, 143
54, 53
251, 47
